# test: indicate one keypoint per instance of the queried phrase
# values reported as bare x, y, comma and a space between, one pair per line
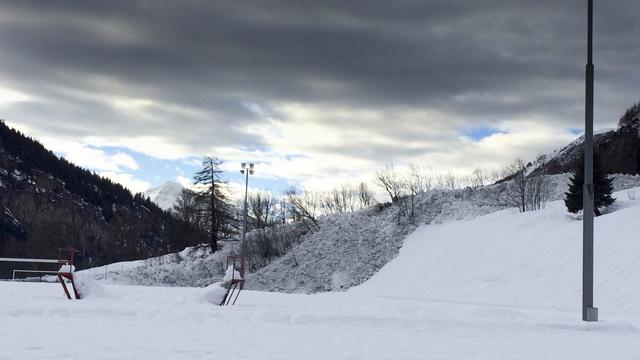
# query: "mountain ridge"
165, 195
618, 148
47, 202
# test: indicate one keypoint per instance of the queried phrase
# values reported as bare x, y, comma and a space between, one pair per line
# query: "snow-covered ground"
175, 323
501, 286
524, 260
346, 251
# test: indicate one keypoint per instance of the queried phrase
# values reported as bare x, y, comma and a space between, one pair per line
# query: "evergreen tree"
602, 184
213, 200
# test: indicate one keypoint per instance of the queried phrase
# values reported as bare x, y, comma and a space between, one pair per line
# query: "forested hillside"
618, 149
47, 202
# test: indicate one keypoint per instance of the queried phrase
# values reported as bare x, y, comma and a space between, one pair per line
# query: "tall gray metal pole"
589, 312
244, 223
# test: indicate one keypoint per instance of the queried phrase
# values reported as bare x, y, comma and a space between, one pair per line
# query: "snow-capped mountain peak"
165, 195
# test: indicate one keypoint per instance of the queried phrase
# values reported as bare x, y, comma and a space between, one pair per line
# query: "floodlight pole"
589, 312
247, 170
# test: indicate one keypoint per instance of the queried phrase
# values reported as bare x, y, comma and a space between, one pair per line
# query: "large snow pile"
194, 266
346, 251
350, 248
526, 260
216, 293
89, 287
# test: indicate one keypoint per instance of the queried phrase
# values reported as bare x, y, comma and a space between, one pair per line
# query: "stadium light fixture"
247, 169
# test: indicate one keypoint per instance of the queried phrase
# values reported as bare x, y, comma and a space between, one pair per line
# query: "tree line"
276, 222
140, 228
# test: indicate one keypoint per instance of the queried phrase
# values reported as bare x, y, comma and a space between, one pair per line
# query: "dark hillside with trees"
46, 202
618, 149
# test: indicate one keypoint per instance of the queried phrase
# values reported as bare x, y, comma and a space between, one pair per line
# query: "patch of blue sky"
153, 170
275, 185
294, 156
481, 132
157, 171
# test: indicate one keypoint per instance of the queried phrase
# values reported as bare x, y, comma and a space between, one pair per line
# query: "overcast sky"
314, 92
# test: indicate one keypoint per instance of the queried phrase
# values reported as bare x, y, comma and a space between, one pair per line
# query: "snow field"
530, 260
501, 286
175, 323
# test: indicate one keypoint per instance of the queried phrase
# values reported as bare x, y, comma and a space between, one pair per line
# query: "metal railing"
32, 271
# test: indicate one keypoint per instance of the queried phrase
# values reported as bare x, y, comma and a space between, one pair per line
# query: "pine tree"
213, 200
603, 187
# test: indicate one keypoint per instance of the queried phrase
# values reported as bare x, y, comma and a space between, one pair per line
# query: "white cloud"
344, 145
322, 148
96, 159
184, 181
12, 96
237, 189
128, 181
113, 166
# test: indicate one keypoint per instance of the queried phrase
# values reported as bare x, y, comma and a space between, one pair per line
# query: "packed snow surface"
215, 293
500, 286
531, 260
177, 323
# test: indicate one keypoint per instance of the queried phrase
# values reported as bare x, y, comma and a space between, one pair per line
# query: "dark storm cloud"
476, 60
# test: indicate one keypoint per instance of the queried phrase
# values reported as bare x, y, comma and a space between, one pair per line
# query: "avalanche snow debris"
347, 250
194, 266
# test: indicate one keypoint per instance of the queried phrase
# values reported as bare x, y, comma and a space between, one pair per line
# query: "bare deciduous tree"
451, 182
517, 188
365, 196
539, 190
390, 181
305, 207
527, 193
419, 179
263, 209
477, 179
185, 207
340, 200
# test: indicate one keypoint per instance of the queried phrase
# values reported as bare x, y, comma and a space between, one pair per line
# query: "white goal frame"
29, 260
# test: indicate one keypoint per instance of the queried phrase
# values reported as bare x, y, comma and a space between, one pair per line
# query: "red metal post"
67, 274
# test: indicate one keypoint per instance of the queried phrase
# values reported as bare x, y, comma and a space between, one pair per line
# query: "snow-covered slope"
530, 260
194, 266
165, 195
346, 251
351, 248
